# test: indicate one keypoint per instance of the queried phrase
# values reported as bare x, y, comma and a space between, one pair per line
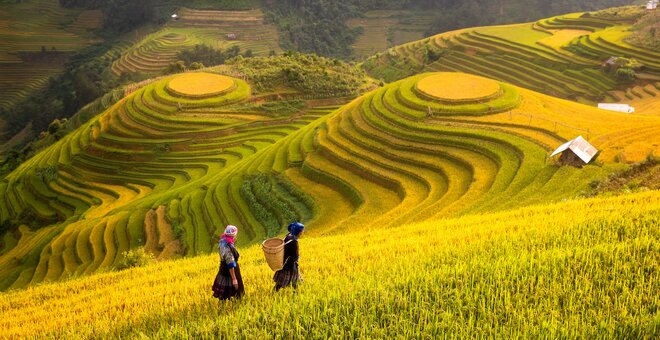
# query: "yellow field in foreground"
588, 268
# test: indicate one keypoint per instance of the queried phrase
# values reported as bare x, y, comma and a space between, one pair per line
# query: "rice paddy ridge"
536, 56
550, 278
157, 50
94, 189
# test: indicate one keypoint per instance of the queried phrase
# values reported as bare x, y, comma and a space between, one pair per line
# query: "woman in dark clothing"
228, 283
289, 274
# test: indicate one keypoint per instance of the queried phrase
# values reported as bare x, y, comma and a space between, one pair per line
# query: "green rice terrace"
562, 56
34, 48
166, 166
218, 29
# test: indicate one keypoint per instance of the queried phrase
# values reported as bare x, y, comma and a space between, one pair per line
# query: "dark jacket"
291, 254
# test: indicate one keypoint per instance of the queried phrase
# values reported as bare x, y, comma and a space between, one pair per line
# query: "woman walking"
228, 283
289, 274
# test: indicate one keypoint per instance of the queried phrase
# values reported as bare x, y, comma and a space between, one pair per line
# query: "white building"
625, 108
652, 4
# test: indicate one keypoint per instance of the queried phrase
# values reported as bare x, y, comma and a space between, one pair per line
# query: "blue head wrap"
296, 228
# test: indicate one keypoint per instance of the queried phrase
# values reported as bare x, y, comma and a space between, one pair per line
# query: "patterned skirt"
223, 288
284, 278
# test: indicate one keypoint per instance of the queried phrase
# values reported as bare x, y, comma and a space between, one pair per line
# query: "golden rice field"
164, 170
619, 136
199, 162
200, 84
576, 269
456, 86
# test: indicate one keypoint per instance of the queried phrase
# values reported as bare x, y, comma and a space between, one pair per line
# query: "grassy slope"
586, 268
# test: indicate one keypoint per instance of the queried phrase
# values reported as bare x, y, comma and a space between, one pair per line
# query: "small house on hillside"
175, 17
652, 4
577, 152
231, 36
611, 63
625, 108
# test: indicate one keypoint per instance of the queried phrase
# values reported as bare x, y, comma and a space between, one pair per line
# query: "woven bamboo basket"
274, 251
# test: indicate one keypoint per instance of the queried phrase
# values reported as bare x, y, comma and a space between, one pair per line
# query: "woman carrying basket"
289, 274
228, 282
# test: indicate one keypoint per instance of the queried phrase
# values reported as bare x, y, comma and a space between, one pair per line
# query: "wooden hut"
577, 152
611, 63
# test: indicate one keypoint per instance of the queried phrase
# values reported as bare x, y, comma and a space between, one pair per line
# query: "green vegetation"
207, 55
306, 73
646, 32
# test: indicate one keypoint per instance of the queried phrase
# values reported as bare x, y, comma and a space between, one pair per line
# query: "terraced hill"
577, 269
168, 165
209, 27
27, 27
382, 29
560, 56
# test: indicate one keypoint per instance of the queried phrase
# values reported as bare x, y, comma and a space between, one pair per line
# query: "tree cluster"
205, 55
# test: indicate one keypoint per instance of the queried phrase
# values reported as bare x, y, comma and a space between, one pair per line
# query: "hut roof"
580, 148
611, 60
616, 107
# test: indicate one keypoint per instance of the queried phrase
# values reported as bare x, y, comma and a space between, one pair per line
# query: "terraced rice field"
538, 56
382, 29
27, 27
156, 51
18, 80
645, 99
165, 169
155, 148
574, 269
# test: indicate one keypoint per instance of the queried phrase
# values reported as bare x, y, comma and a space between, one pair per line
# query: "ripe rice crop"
578, 269
458, 87
200, 84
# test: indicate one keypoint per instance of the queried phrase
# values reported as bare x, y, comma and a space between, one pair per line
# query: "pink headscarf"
229, 235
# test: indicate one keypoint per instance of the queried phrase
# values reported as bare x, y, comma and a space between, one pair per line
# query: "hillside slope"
561, 56
213, 28
37, 36
577, 269
169, 165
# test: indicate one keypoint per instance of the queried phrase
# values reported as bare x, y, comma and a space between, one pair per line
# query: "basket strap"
288, 257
